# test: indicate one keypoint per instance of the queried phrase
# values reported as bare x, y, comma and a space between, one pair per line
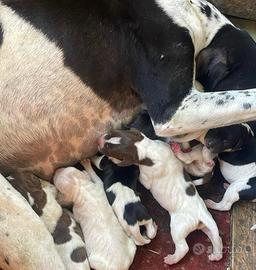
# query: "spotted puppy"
162, 173
236, 146
107, 245
197, 162
66, 233
120, 184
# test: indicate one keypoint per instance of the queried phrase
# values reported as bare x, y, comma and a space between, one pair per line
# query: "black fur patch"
205, 9
191, 190
111, 197
78, 255
249, 194
134, 212
247, 106
147, 162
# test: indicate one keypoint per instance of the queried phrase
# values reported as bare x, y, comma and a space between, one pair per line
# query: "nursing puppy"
66, 233
162, 173
120, 184
236, 149
107, 245
197, 162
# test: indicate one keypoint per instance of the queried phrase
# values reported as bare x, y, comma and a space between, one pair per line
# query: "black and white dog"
236, 149
120, 184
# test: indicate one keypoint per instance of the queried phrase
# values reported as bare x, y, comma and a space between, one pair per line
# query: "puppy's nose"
101, 141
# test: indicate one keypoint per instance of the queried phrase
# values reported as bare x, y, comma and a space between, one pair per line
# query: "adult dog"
72, 70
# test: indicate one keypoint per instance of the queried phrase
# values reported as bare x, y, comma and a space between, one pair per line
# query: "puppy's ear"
211, 67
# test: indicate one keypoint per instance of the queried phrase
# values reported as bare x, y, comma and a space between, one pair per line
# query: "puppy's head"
226, 138
68, 181
121, 146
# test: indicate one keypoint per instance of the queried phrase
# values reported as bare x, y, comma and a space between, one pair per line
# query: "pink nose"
101, 141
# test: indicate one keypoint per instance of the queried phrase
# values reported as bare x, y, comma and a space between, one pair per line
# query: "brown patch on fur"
147, 162
79, 255
61, 233
126, 151
28, 183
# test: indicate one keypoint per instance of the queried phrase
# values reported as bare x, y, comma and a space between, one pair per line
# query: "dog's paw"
215, 256
170, 259
210, 204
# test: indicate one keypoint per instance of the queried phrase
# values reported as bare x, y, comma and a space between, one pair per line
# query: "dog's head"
230, 138
122, 147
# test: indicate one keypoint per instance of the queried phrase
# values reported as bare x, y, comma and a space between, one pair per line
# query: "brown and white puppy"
162, 173
25, 243
107, 245
41, 195
120, 184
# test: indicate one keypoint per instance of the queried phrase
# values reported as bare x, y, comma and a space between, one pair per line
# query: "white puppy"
162, 173
107, 245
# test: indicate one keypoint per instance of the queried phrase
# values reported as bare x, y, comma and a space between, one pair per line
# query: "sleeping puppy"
66, 233
120, 184
236, 146
107, 245
162, 173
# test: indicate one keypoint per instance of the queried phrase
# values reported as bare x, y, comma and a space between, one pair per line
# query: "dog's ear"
211, 67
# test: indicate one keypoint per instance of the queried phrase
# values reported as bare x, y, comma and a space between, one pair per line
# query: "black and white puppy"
236, 149
162, 173
120, 184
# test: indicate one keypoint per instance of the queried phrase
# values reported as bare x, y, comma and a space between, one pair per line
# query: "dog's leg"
230, 197
179, 232
88, 167
200, 111
211, 230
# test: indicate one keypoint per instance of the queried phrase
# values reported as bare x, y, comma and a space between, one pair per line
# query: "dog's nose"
101, 141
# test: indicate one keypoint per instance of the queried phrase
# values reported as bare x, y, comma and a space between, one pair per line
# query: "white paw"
210, 204
170, 259
215, 256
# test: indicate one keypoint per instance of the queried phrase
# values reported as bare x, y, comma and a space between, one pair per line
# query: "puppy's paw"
170, 259
210, 204
215, 256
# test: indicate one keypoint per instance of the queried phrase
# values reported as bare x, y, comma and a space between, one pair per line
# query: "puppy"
120, 184
197, 162
162, 173
236, 146
107, 245
66, 233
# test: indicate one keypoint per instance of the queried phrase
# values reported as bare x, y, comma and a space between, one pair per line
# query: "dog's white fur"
166, 181
107, 245
52, 212
25, 242
123, 196
51, 215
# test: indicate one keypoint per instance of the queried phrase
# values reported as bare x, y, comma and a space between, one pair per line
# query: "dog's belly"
234, 173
